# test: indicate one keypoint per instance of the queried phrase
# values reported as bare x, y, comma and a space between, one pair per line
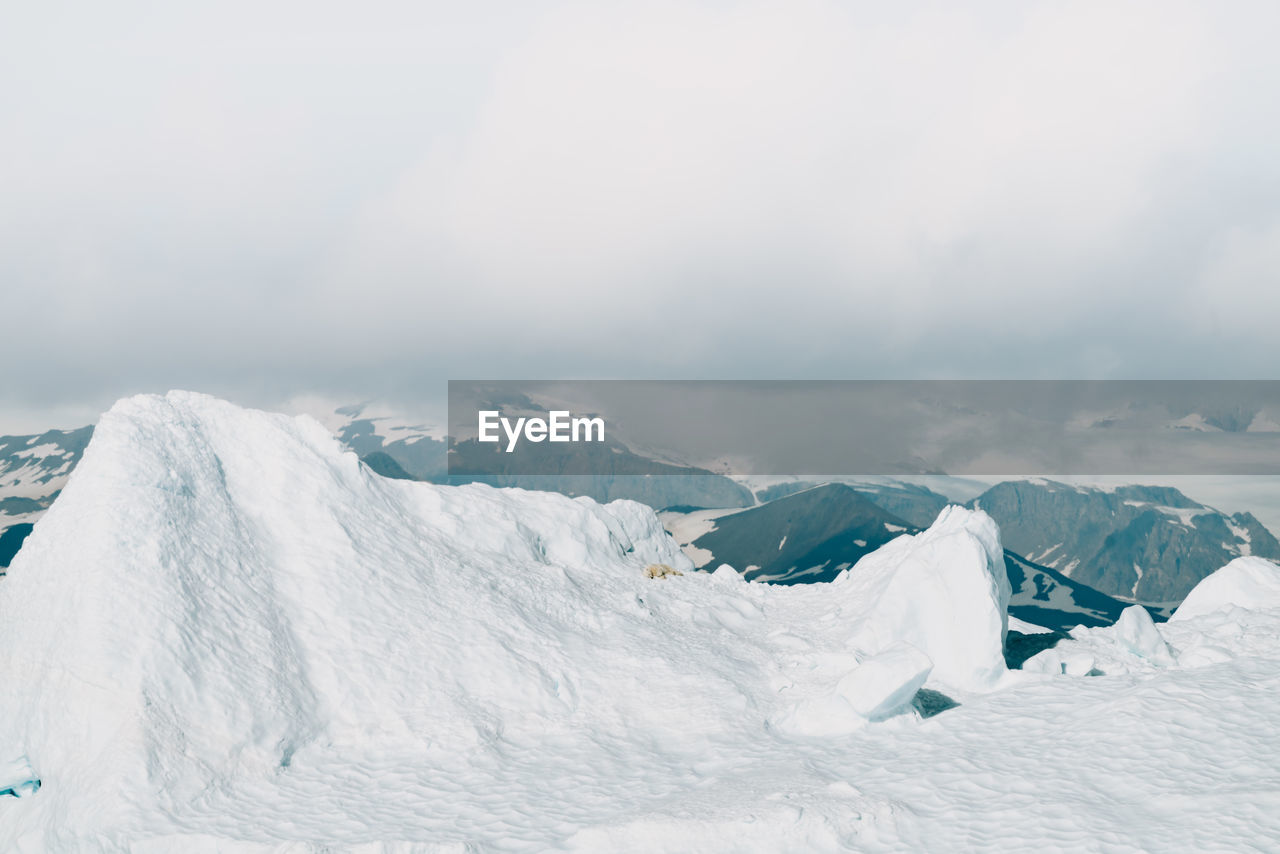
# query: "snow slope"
228, 635
32, 471
1246, 582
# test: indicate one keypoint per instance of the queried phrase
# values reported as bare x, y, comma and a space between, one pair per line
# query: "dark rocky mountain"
1075, 552
1138, 543
810, 536
11, 539
814, 534
1048, 598
916, 504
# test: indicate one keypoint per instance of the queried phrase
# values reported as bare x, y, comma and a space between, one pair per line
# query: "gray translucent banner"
985, 427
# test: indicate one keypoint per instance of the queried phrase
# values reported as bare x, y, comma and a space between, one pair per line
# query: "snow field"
228, 636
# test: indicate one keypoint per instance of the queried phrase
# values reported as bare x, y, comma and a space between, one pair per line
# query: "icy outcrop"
1137, 632
944, 591
1252, 583
885, 683
1135, 644
227, 628
877, 687
924, 607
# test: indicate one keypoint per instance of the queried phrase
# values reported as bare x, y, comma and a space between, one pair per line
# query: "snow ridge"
227, 629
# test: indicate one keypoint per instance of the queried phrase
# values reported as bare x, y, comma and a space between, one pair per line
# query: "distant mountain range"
1148, 544
816, 533
1073, 550
1139, 543
811, 535
917, 504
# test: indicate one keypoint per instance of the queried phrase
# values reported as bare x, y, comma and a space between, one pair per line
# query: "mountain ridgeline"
810, 536
816, 533
1140, 543
1075, 553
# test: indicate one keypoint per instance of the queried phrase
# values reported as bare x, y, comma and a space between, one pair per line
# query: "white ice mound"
885, 683
1134, 644
1137, 632
226, 628
944, 591
1252, 583
878, 687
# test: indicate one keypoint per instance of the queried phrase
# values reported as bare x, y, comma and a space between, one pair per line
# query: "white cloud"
263, 201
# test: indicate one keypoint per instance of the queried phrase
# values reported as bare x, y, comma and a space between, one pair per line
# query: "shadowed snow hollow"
227, 629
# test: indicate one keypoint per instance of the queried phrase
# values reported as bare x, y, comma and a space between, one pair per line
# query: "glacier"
227, 635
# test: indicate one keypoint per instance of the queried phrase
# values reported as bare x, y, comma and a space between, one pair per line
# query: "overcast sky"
364, 200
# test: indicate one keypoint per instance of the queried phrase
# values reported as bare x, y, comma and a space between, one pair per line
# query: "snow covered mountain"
810, 536
302, 651
1140, 543
1075, 552
814, 534
388, 443
916, 504
228, 635
33, 469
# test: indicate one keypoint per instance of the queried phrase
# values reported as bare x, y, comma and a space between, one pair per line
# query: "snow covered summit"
228, 633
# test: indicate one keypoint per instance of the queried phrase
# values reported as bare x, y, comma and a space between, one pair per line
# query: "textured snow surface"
228, 636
